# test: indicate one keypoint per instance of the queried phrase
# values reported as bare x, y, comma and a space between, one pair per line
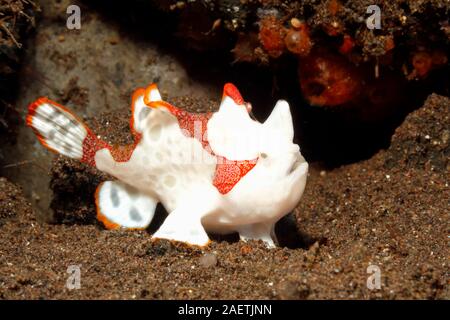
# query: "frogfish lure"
217, 172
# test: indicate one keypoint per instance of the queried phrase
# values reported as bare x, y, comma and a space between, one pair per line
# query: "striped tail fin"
59, 130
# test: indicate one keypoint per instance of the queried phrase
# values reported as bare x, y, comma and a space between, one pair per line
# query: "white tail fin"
60, 131
57, 128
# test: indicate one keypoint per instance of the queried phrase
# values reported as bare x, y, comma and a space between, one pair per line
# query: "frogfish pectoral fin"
120, 205
180, 225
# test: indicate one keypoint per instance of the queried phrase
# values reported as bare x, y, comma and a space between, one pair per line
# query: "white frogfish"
219, 172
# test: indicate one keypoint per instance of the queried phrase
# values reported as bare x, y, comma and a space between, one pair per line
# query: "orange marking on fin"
136, 94
100, 216
231, 91
164, 104
147, 92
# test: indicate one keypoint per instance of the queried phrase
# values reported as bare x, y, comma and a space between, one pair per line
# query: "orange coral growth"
424, 61
389, 44
328, 80
271, 36
347, 45
334, 28
334, 6
298, 41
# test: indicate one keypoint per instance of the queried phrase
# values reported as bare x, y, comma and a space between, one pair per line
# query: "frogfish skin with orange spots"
218, 172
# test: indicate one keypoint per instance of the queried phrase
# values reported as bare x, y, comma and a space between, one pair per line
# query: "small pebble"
208, 260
